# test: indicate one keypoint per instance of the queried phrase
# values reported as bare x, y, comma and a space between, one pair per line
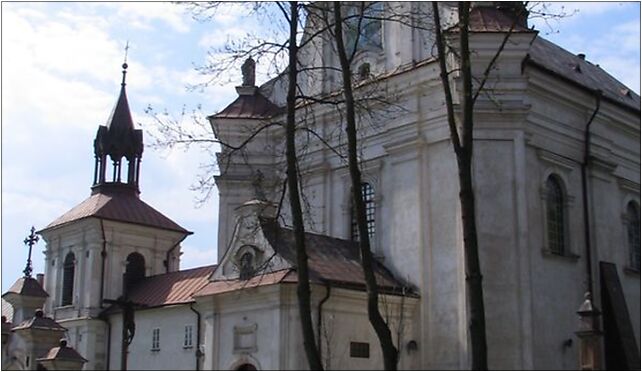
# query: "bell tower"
115, 142
107, 243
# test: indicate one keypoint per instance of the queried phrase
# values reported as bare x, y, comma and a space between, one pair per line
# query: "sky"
61, 73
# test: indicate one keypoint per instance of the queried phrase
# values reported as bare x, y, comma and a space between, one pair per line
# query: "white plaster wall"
172, 355
273, 312
531, 296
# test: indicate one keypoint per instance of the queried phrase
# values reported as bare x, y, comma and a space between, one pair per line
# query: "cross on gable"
30, 241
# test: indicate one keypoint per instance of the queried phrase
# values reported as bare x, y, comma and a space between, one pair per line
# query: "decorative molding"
557, 160
628, 185
404, 144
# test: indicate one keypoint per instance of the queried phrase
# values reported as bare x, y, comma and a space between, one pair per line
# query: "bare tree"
389, 351
303, 285
461, 126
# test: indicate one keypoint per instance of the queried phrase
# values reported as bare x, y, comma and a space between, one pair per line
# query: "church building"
556, 174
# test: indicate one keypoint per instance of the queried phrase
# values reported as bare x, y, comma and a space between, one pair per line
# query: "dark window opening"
359, 350
555, 219
367, 193
246, 367
246, 266
134, 269
69, 268
363, 25
633, 235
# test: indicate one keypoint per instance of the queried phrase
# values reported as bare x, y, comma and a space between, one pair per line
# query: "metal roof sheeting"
27, 287
171, 288
118, 206
254, 106
576, 69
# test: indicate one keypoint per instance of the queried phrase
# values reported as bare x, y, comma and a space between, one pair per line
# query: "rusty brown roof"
171, 288
117, 206
494, 19
27, 287
223, 286
331, 260
41, 322
254, 106
63, 352
7, 310
570, 67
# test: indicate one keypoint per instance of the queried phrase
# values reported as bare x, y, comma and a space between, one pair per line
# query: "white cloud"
217, 39
141, 14
195, 257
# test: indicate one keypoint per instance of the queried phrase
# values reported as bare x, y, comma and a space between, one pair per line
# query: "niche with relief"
247, 260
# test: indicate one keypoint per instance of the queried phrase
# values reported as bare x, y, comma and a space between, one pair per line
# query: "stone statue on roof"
248, 70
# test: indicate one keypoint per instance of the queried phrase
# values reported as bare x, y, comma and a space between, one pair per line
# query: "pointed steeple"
119, 140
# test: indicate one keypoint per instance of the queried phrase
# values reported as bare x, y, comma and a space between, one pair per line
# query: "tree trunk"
390, 353
464, 150
303, 285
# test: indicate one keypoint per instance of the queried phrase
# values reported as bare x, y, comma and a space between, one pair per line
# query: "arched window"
368, 194
246, 266
633, 235
69, 268
555, 216
246, 367
363, 25
134, 269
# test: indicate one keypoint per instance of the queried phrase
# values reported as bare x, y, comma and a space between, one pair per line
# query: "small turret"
118, 139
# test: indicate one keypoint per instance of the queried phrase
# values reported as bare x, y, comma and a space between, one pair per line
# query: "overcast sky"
61, 75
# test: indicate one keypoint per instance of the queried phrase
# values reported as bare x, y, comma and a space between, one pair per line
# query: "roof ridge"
182, 271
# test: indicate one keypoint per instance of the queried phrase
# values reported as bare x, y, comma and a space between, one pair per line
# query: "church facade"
556, 139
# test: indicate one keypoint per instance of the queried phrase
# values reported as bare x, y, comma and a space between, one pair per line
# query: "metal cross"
30, 241
126, 50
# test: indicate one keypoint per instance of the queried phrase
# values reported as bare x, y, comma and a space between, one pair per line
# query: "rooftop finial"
125, 63
248, 72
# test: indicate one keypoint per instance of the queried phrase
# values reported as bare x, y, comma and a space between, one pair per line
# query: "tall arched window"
633, 234
368, 194
363, 25
134, 269
69, 267
246, 266
555, 216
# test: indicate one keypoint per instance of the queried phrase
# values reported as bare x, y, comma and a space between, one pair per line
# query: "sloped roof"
118, 137
63, 353
41, 322
27, 287
331, 260
554, 59
171, 288
250, 106
117, 206
7, 310
223, 286
493, 19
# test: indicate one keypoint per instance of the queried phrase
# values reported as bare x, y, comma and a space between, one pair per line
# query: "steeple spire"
122, 84
118, 139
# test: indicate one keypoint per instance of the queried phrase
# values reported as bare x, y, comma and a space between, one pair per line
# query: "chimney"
41, 279
582, 56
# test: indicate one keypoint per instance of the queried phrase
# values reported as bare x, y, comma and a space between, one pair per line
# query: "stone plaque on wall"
245, 339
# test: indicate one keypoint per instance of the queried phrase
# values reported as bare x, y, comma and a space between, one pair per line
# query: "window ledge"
565, 256
188, 347
631, 271
155, 350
